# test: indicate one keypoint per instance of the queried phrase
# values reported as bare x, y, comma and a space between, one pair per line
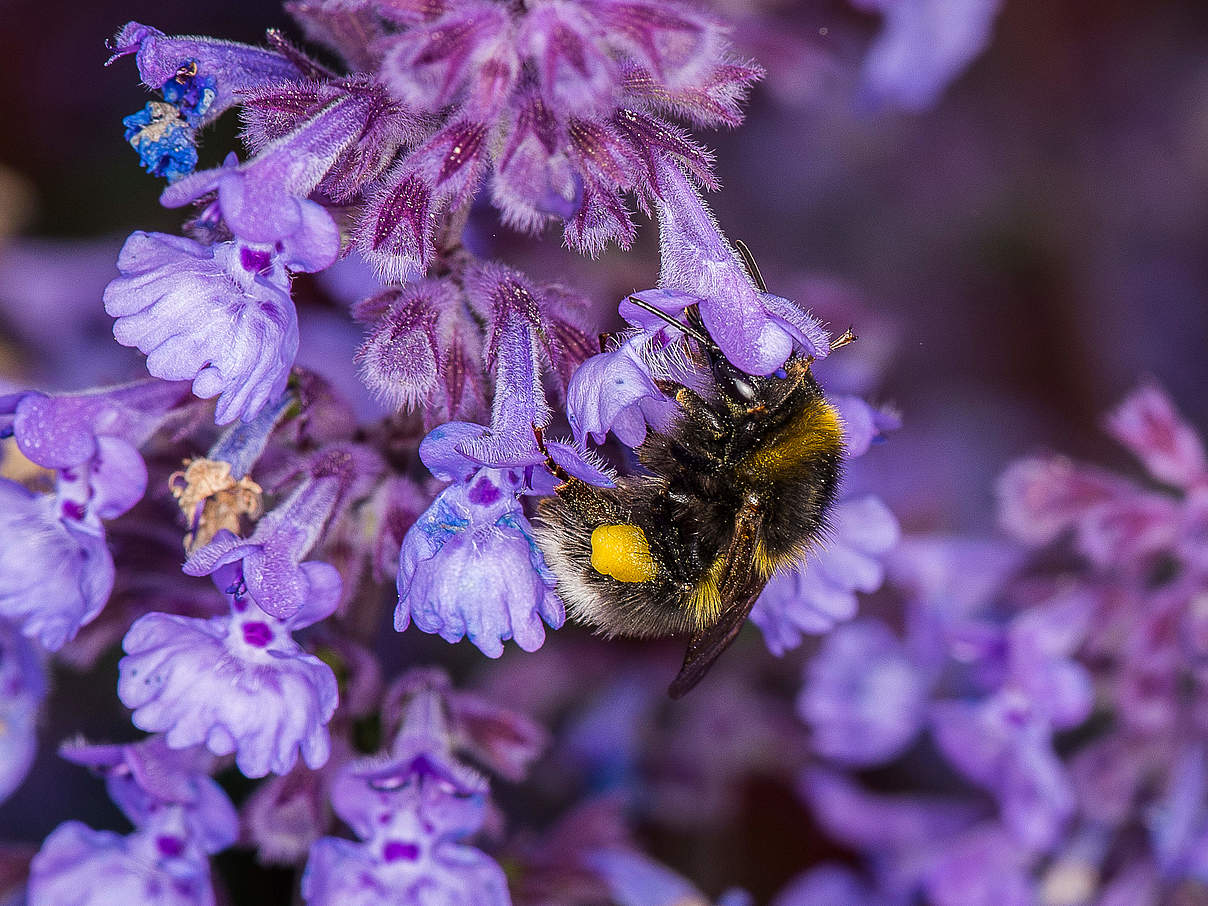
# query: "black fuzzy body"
738, 488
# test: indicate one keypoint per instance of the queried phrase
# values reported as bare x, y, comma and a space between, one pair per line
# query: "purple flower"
616, 391
91, 438
903, 835
55, 574
814, 597
264, 200
423, 350
156, 865
180, 814
286, 815
1001, 744
411, 811
219, 316
236, 684
829, 885
22, 686
232, 67
271, 559
864, 697
635, 879
923, 46
982, 867
502, 740
1148, 424
569, 92
313, 118
757, 331
470, 567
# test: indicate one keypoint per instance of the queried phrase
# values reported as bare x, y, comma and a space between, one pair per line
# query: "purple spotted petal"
55, 576
85, 867
219, 316
61, 430
238, 685
470, 567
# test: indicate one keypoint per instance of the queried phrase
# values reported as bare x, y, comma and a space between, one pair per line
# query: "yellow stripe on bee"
706, 596
622, 551
816, 429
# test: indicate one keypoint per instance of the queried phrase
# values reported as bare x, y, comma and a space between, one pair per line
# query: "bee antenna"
691, 331
748, 261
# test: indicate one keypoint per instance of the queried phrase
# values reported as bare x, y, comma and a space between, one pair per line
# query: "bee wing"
740, 584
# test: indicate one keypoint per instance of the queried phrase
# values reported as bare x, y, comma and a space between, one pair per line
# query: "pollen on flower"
163, 139
212, 500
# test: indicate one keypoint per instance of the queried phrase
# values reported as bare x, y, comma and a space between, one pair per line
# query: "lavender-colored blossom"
829, 885
181, 816
903, 835
814, 597
218, 315
273, 571
22, 686
470, 567
237, 684
1000, 744
500, 739
923, 46
616, 391
264, 200
635, 879
233, 67
572, 93
144, 777
55, 574
91, 438
411, 810
982, 867
864, 697
287, 814
85, 867
1148, 424
756, 330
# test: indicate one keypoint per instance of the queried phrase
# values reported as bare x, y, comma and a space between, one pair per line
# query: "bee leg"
560, 473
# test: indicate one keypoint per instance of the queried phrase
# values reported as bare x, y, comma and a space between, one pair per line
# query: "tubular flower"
181, 817
219, 316
56, 571
237, 684
411, 810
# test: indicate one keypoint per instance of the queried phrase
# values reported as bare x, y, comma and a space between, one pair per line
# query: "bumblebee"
737, 489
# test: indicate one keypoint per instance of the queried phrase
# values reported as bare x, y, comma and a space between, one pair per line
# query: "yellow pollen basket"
622, 551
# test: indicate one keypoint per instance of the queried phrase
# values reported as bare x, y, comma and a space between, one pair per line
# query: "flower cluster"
997, 671
374, 788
